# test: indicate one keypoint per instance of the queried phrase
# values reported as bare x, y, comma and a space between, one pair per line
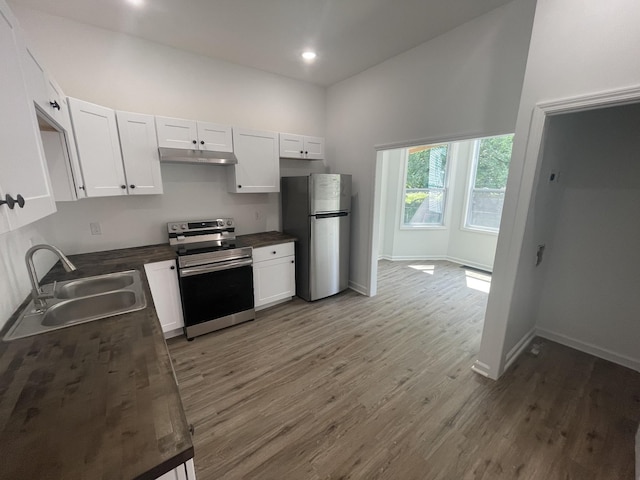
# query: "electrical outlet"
95, 228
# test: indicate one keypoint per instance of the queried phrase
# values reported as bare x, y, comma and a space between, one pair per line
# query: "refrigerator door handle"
331, 215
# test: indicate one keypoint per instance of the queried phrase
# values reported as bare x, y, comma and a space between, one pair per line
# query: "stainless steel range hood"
180, 155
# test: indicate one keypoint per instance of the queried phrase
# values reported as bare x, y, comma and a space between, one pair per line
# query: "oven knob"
229, 222
174, 227
221, 223
183, 226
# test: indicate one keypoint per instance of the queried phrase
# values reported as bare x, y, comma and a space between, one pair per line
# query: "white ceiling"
348, 35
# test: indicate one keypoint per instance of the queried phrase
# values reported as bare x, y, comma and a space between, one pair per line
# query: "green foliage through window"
425, 185
488, 183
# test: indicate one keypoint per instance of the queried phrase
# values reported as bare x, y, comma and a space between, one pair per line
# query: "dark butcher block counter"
96, 400
265, 239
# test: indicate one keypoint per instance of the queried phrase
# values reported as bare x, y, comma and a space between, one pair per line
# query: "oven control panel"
224, 224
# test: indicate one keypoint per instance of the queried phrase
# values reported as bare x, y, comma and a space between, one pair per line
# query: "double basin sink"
82, 300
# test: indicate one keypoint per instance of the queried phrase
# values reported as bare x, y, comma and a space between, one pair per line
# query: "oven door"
216, 292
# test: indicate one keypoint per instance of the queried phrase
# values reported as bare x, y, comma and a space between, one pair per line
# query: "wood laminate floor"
352, 387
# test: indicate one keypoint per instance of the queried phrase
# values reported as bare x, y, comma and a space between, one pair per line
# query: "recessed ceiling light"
309, 56
136, 3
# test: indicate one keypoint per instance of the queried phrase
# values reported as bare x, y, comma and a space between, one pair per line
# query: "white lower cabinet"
165, 290
274, 277
186, 471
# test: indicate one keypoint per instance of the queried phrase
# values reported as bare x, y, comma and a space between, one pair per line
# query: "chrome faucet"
36, 292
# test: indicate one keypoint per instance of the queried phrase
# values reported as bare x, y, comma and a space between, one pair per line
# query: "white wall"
450, 242
577, 48
127, 73
463, 84
589, 296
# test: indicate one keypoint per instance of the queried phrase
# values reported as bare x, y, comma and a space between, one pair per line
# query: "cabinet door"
57, 102
314, 148
139, 153
258, 167
35, 78
214, 138
66, 179
291, 146
177, 133
273, 280
22, 161
74, 172
99, 153
165, 290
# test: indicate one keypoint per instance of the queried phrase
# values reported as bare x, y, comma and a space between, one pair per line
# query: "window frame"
445, 190
471, 181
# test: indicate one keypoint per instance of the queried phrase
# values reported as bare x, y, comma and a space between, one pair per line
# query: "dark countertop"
96, 400
265, 239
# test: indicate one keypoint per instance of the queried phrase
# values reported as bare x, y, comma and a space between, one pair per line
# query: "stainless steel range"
215, 273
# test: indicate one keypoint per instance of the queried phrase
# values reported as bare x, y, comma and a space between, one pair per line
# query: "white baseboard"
361, 289
428, 258
624, 360
414, 258
517, 349
482, 368
468, 263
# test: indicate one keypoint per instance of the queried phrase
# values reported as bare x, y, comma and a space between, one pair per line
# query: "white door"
96, 134
291, 146
22, 161
177, 133
314, 148
165, 290
214, 138
258, 167
140, 153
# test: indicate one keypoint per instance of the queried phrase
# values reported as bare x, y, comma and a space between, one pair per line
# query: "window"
425, 186
488, 182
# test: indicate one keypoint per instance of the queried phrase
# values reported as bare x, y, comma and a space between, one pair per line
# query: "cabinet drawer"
273, 251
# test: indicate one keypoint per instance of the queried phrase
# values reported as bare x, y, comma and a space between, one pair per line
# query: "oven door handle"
216, 267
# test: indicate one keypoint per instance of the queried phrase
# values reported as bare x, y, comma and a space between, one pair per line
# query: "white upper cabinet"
139, 153
215, 138
176, 133
193, 135
258, 167
25, 178
96, 134
301, 147
55, 129
117, 156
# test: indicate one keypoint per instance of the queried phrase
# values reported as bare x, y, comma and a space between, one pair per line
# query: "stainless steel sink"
94, 285
89, 308
80, 301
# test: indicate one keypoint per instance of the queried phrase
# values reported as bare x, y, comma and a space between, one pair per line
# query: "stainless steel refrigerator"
317, 210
